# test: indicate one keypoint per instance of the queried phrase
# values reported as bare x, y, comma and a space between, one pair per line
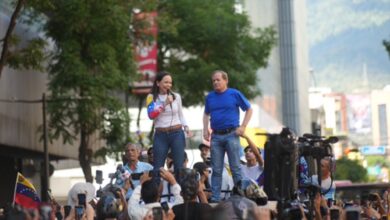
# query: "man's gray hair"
224, 74
135, 145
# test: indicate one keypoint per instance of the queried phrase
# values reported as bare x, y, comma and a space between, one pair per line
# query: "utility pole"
45, 180
45, 184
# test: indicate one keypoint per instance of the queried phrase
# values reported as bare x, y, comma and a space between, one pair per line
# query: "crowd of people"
164, 187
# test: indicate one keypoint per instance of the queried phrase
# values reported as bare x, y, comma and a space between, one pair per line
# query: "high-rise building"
380, 107
284, 82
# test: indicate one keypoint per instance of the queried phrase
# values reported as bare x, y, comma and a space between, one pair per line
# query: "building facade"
285, 81
21, 120
380, 107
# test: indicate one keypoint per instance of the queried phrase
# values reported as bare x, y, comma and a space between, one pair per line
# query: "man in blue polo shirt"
133, 165
222, 111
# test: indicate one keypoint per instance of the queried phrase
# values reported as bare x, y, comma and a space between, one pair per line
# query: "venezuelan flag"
25, 193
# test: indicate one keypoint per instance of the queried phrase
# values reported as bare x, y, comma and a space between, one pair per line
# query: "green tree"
376, 159
92, 57
198, 37
29, 56
347, 169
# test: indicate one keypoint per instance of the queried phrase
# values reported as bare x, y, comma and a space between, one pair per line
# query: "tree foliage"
347, 169
91, 58
198, 37
29, 55
374, 160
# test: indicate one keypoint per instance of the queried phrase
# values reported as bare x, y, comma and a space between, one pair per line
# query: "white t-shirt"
251, 172
172, 115
325, 186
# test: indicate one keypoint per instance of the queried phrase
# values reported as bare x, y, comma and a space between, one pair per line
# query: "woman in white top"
165, 109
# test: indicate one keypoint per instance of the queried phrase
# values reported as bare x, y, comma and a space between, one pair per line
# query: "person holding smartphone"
79, 198
191, 209
149, 193
165, 109
79, 212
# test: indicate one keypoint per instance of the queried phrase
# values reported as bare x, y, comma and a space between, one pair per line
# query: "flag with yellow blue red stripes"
25, 193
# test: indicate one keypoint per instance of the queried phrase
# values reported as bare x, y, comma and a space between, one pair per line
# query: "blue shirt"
223, 108
139, 168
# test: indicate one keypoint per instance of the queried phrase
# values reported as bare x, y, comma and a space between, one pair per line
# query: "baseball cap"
250, 189
81, 187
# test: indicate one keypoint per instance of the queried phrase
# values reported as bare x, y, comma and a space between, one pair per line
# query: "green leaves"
92, 57
350, 170
210, 35
30, 56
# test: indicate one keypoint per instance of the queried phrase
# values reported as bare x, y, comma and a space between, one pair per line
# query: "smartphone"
79, 212
334, 214
157, 213
99, 176
136, 176
67, 209
165, 206
82, 199
352, 213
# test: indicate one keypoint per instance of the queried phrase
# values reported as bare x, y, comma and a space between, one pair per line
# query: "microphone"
121, 174
118, 171
168, 94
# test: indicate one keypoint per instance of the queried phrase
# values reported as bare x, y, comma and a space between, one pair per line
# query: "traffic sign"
373, 150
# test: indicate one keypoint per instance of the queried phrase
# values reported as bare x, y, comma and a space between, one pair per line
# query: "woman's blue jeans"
163, 141
229, 143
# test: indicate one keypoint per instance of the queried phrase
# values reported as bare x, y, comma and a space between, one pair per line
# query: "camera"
152, 173
136, 176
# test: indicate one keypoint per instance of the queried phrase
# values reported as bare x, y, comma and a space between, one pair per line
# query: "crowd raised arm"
226, 184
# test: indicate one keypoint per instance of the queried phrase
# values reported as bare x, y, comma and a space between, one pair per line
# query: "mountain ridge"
338, 60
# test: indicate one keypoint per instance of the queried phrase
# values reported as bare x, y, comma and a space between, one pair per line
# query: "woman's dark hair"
155, 89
